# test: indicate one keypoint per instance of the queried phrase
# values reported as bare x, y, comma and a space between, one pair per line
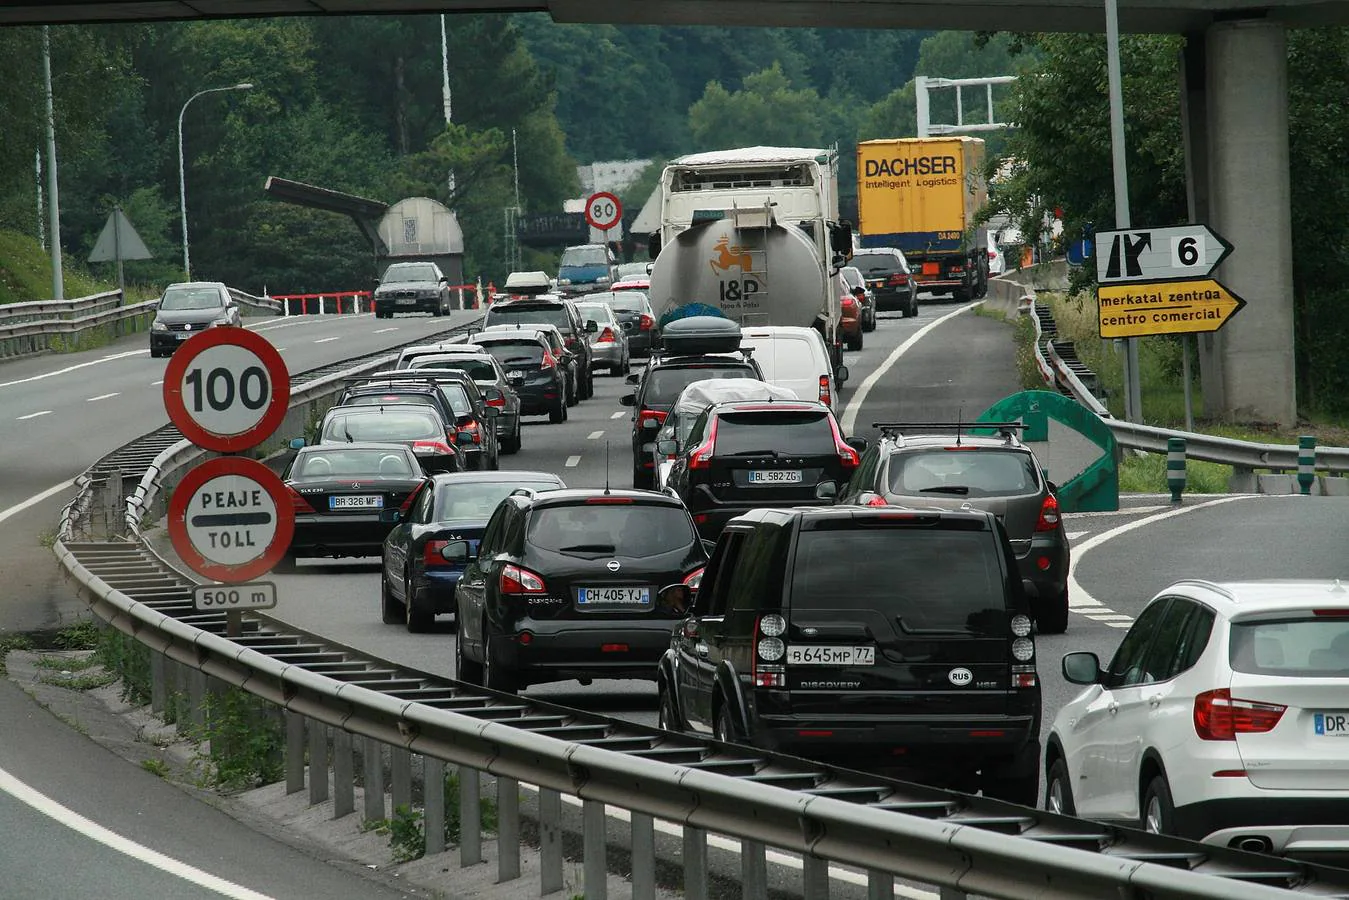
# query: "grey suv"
956, 467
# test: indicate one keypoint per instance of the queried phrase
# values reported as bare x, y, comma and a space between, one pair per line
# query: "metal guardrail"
45, 310
886, 828
249, 303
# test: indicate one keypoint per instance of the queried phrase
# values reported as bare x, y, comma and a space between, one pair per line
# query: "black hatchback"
556, 312
745, 454
532, 371
564, 585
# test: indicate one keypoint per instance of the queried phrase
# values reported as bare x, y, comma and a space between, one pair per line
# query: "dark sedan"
412, 287
633, 311
347, 497
418, 427
417, 582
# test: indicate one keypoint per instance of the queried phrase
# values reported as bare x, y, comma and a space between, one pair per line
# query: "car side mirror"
841, 376
708, 547
456, 552
490, 412
650, 422
667, 448
592, 327
627, 400
840, 238
826, 491
463, 437
653, 247
859, 444
296, 443
1082, 667
676, 596
634, 378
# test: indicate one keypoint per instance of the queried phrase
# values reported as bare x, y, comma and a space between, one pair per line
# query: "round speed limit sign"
226, 389
603, 210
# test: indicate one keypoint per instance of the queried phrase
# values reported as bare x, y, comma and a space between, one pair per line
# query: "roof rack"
1008, 430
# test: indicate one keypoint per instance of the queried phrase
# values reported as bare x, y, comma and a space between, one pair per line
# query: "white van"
795, 358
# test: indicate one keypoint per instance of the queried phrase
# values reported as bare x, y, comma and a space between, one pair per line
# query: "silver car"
608, 341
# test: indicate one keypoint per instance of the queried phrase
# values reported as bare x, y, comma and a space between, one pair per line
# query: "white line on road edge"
104, 396
1074, 535
620, 414
855, 404
36, 499
45, 412
572, 462
125, 846
326, 340
76, 367
1078, 598
157, 383
595, 435
384, 330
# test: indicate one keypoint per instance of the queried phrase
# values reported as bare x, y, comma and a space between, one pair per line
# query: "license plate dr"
1330, 724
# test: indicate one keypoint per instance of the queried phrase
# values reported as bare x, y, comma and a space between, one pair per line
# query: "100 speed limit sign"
226, 389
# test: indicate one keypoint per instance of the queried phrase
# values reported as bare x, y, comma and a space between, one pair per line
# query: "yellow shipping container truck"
920, 195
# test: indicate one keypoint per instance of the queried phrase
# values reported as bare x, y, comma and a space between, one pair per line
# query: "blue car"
416, 581
586, 268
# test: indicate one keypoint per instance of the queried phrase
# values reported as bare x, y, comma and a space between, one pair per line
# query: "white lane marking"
104, 396
45, 412
1108, 616
326, 340
572, 462
1078, 598
1122, 511
595, 435
115, 842
287, 322
157, 383
731, 845
383, 330
35, 499
75, 368
855, 404
1074, 535
620, 414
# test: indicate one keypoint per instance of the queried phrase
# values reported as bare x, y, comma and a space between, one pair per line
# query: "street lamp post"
182, 182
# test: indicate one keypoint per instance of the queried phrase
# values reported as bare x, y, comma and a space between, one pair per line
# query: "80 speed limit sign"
603, 210
226, 389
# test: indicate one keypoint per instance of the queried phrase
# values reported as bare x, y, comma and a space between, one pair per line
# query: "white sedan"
1224, 717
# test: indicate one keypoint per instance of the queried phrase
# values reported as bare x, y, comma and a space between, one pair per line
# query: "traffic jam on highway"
872, 603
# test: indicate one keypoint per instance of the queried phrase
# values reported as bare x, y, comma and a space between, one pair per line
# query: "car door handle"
701, 647
1155, 700
1114, 707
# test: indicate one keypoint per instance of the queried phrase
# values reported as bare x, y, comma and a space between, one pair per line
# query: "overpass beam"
1249, 203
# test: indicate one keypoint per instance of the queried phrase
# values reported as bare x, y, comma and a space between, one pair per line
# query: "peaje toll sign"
230, 519
226, 389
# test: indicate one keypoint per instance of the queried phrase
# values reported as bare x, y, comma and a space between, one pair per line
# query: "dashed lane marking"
327, 340
76, 367
618, 415
157, 383
572, 462
45, 412
384, 330
1074, 535
104, 396
595, 435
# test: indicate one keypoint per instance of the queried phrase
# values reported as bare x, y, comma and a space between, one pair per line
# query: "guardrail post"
294, 752
344, 779
470, 816
318, 762
550, 841
695, 863
1242, 480
753, 870
158, 688
814, 877
508, 829
880, 885
1175, 467
595, 852
433, 804
950, 893
642, 830
400, 775
372, 759
321, 311
196, 698
1306, 464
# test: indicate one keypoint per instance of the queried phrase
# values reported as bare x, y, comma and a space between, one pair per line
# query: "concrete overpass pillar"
1249, 205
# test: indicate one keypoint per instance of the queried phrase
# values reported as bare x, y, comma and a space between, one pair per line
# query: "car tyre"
558, 415
642, 480
494, 676
855, 343
1051, 614
512, 444
869, 322
1059, 789
1159, 810
668, 717
725, 729
574, 394
418, 621
590, 385
390, 610
465, 669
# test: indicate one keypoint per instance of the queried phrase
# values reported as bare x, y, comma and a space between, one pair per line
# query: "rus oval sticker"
960, 677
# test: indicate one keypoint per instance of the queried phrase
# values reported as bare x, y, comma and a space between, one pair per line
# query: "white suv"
1224, 717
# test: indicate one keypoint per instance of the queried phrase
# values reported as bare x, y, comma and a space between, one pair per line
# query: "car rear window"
457, 398
390, 400
404, 424
476, 500
476, 369
875, 263
629, 301
597, 311
664, 385
510, 314
336, 461
1306, 646
626, 529
932, 580
804, 433
971, 473
517, 353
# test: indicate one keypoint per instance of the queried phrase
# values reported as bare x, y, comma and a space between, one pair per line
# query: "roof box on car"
701, 334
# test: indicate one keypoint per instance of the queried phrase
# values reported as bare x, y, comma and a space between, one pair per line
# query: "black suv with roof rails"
895, 640
695, 348
563, 315
983, 465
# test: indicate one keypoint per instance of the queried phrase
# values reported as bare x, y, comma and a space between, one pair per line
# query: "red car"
632, 284
850, 325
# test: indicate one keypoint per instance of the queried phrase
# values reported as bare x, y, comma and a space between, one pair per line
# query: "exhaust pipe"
1252, 844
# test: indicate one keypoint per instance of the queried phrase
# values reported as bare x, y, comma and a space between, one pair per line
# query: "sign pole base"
234, 624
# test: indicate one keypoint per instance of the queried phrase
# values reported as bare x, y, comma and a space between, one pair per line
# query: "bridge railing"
358, 302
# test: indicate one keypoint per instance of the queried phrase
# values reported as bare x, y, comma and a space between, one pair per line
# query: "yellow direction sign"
1170, 307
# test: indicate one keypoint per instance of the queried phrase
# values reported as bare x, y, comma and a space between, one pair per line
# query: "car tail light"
846, 455
548, 361
1049, 514
471, 428
298, 503
606, 336
608, 501
428, 447
992, 254
498, 402
1218, 716
694, 579
870, 499
849, 305
701, 458
1332, 613
517, 580
411, 498
957, 270
651, 414
646, 323
897, 279
766, 666
825, 396
432, 556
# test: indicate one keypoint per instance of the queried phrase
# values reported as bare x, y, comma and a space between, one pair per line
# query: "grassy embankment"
1162, 396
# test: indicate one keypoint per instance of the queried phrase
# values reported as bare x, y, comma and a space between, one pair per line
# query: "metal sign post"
1133, 400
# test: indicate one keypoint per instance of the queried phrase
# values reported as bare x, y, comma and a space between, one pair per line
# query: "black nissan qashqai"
564, 584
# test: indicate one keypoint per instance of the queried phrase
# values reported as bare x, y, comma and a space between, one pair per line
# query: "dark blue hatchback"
417, 582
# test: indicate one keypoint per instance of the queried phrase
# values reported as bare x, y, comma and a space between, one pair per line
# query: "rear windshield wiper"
588, 548
946, 489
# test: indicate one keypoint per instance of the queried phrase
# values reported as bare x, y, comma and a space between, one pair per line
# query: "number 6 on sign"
226, 389
1187, 251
